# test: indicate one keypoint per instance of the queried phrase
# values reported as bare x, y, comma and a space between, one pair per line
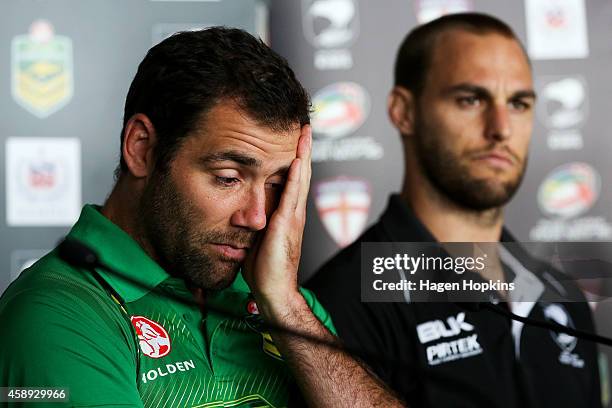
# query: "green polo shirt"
112, 342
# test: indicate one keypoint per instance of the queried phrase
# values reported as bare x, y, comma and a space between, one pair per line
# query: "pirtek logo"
435, 329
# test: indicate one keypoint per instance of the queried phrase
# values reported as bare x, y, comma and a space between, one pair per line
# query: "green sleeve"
58, 335
318, 310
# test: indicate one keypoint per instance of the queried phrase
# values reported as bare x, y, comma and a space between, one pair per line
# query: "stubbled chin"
225, 278
496, 176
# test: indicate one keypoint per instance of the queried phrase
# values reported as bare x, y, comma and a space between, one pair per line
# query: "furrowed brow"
467, 88
233, 156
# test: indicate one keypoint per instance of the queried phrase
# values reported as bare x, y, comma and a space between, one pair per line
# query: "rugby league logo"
343, 205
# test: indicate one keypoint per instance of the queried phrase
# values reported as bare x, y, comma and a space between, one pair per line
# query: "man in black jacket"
463, 103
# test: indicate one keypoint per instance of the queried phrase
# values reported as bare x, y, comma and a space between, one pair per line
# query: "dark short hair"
184, 76
415, 53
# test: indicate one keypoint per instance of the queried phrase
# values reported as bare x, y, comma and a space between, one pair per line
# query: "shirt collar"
402, 225
132, 273
239, 284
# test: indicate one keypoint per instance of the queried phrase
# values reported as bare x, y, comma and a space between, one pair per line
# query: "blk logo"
436, 329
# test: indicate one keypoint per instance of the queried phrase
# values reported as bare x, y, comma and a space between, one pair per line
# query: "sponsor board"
331, 26
565, 140
448, 350
22, 259
41, 70
162, 31
330, 23
563, 108
428, 10
580, 229
153, 339
43, 179
343, 204
563, 102
339, 109
569, 190
351, 148
556, 29
333, 59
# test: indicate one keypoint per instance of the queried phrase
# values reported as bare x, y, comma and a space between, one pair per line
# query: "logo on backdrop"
43, 181
41, 64
330, 23
564, 102
556, 313
569, 190
428, 10
331, 26
153, 338
556, 29
42, 178
339, 109
566, 195
343, 205
563, 108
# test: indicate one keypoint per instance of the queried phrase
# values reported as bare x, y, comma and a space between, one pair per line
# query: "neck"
122, 208
445, 219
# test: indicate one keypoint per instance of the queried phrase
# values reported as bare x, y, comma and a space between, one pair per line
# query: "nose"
498, 123
251, 213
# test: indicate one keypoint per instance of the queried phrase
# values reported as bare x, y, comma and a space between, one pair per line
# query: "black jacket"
477, 367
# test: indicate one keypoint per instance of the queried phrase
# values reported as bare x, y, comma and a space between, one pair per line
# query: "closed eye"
227, 181
275, 186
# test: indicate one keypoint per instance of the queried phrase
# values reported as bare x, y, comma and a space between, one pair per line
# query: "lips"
231, 252
497, 159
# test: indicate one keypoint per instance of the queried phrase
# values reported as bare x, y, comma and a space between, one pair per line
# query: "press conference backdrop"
344, 50
66, 66
65, 69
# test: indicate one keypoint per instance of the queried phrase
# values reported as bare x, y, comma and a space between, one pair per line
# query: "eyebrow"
239, 158
231, 155
479, 90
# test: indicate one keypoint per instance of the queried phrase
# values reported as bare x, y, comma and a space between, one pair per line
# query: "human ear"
401, 109
138, 147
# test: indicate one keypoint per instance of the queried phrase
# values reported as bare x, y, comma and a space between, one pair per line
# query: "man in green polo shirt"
198, 247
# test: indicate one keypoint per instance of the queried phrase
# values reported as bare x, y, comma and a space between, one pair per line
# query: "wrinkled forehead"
227, 128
